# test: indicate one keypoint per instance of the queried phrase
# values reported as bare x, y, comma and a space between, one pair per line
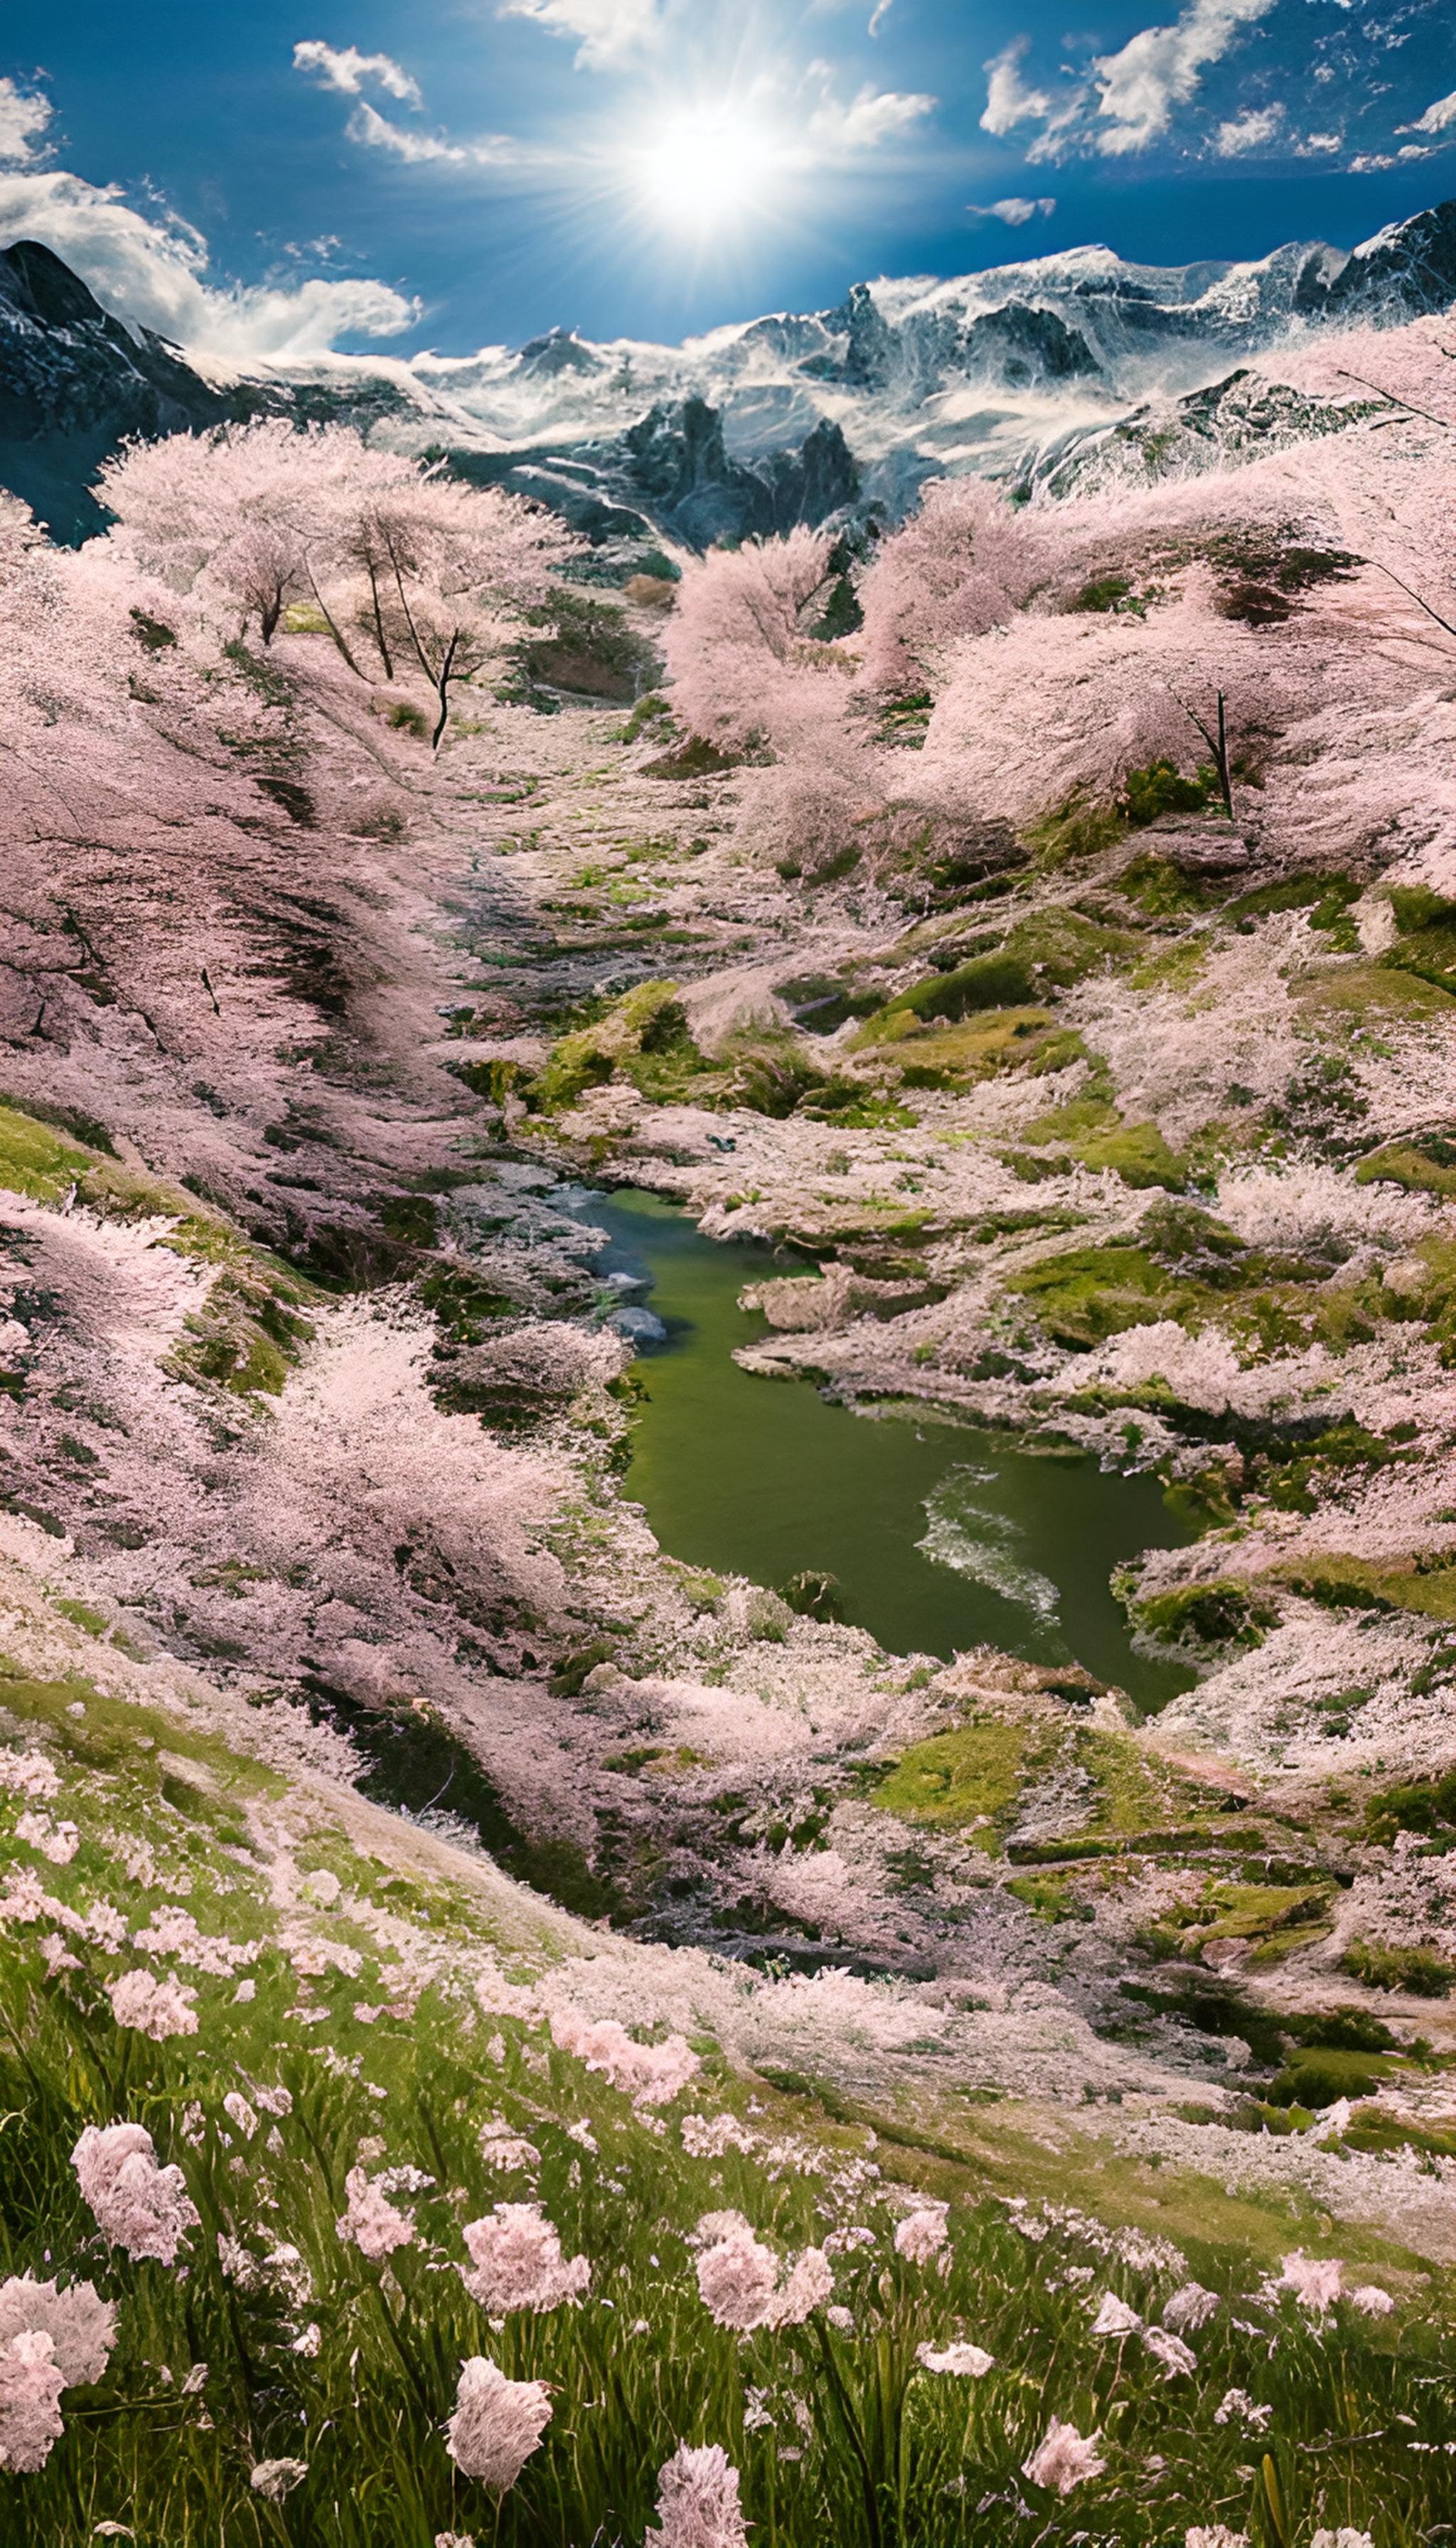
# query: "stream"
940, 1535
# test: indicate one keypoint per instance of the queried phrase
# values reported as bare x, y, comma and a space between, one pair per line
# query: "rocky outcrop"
74, 382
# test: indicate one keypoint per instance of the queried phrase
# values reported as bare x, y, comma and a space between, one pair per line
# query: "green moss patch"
1207, 1615
1425, 1165
1373, 993
1344, 1583
965, 1782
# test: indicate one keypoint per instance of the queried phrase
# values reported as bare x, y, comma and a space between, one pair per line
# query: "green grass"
856, 2443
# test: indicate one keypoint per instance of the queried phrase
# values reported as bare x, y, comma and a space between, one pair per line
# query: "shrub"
1418, 1969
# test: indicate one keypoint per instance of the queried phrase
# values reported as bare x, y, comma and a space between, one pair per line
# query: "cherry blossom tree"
253, 517
254, 514
448, 570
965, 563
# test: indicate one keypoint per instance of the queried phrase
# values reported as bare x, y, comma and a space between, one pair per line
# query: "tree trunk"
380, 638
442, 691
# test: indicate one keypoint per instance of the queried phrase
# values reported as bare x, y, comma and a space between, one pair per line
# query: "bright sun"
707, 172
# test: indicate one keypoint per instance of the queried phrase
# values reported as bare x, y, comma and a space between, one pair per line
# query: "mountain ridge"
753, 425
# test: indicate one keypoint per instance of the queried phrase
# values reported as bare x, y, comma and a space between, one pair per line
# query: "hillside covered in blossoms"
515, 2030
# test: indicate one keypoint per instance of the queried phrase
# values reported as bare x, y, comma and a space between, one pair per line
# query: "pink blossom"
922, 2235
497, 2423
651, 2073
738, 2278
1215, 2536
81, 2326
808, 2285
138, 2205
967, 2361
154, 2008
1316, 2280
1237, 2406
1190, 2307
371, 2222
697, 2504
501, 2148
29, 1773
1374, 2302
1115, 2318
58, 1841
518, 2264
1170, 2351
30, 2383
1065, 2458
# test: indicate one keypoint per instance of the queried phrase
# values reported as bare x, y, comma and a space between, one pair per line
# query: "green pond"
940, 1535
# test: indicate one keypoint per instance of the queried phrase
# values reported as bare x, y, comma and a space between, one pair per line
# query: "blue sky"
276, 179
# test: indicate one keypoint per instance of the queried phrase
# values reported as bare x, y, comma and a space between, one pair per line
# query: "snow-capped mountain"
794, 416
74, 382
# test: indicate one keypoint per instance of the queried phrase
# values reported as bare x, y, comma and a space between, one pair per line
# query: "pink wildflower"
738, 2278
697, 2504
1215, 2536
1237, 2406
29, 1773
154, 2008
922, 2235
30, 2383
811, 2283
1189, 2308
501, 2148
967, 2361
58, 1841
1170, 2351
81, 2326
373, 2225
518, 2264
1316, 2279
497, 2423
650, 2073
1115, 2318
1372, 2299
1065, 2458
138, 2205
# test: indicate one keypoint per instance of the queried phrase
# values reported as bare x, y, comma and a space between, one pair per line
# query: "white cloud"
153, 272
1009, 101
1314, 142
493, 150
1440, 118
1014, 208
1160, 67
869, 118
610, 30
881, 12
23, 116
348, 71
376, 133
1254, 130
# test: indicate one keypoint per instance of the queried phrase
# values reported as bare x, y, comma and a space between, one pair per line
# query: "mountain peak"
36, 282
